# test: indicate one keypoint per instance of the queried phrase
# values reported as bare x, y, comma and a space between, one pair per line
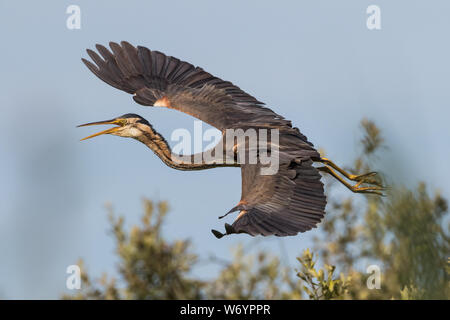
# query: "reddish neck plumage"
156, 142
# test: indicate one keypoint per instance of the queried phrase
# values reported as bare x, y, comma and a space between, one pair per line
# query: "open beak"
110, 130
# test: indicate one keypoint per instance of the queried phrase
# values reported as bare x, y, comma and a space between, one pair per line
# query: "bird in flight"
282, 204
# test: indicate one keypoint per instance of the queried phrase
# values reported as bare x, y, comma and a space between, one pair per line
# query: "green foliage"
320, 284
253, 276
405, 234
150, 266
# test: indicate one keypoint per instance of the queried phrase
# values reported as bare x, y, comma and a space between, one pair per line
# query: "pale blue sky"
314, 62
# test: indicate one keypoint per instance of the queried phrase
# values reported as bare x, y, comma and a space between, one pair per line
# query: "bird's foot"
360, 177
373, 186
368, 178
371, 189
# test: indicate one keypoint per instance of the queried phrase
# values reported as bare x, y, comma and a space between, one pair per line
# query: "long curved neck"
156, 142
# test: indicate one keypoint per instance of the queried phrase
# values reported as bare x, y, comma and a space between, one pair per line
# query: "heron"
281, 204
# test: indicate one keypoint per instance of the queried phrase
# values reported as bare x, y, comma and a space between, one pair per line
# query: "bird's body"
286, 202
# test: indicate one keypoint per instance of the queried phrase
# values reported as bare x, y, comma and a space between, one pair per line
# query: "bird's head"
129, 125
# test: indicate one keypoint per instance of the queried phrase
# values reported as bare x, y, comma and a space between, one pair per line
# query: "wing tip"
217, 234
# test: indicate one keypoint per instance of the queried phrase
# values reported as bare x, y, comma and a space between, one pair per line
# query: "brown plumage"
283, 204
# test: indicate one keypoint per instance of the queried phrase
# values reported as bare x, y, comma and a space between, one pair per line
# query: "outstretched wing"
284, 204
159, 80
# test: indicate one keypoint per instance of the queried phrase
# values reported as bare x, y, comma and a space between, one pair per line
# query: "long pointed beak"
110, 130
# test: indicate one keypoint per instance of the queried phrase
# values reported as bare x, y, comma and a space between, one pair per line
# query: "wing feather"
132, 69
280, 205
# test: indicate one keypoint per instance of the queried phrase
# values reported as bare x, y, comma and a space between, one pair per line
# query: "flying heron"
282, 204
